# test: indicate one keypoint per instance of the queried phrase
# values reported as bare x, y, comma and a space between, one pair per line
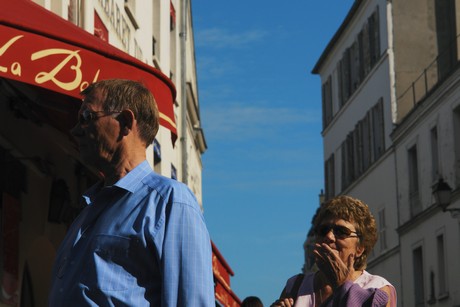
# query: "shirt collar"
129, 182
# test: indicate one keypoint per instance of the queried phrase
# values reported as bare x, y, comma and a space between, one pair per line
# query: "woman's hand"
285, 302
331, 265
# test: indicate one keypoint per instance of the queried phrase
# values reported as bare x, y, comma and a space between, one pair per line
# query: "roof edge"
337, 35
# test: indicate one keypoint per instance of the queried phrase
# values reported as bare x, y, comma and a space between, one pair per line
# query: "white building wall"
418, 133
424, 235
377, 185
422, 229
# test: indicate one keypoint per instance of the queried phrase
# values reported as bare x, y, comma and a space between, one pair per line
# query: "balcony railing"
437, 71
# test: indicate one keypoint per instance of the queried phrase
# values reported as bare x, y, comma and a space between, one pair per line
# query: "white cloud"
221, 38
247, 122
211, 67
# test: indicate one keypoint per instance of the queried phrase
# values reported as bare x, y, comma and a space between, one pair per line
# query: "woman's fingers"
351, 262
333, 267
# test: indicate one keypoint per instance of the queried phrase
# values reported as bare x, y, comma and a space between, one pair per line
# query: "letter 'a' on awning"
39, 48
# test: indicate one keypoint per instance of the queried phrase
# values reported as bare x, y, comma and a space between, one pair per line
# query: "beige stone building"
391, 136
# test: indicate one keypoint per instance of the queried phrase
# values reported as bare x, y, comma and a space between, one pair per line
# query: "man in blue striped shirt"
141, 239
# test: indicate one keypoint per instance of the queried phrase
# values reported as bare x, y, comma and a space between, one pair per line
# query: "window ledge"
443, 296
130, 12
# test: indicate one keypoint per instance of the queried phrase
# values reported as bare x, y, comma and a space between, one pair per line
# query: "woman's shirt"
306, 293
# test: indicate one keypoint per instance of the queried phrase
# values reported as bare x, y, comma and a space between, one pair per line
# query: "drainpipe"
394, 117
183, 85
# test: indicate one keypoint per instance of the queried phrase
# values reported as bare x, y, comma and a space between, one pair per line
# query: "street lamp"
442, 193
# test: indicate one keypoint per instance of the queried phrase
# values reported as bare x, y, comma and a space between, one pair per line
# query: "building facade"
426, 141
49, 51
390, 120
357, 124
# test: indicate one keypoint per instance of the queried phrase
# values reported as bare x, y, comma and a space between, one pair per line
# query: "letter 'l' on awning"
39, 48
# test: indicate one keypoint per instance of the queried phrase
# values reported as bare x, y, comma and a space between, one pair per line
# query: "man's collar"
130, 181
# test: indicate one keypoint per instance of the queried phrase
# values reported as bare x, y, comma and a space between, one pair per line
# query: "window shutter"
340, 84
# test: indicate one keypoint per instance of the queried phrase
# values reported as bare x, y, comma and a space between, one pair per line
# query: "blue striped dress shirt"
140, 242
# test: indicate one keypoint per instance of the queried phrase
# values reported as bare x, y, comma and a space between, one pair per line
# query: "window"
329, 177
347, 162
446, 35
358, 60
374, 37
364, 145
354, 69
130, 9
172, 17
327, 102
173, 172
442, 276
357, 152
156, 156
364, 125
138, 51
156, 28
154, 46
382, 230
156, 151
434, 154
456, 141
345, 76
415, 206
366, 51
378, 133
419, 283
340, 94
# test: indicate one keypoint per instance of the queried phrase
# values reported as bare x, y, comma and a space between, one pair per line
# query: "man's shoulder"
157, 181
168, 188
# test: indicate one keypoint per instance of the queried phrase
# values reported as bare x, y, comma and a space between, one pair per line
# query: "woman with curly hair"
345, 232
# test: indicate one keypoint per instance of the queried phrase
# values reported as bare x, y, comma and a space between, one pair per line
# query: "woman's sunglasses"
340, 232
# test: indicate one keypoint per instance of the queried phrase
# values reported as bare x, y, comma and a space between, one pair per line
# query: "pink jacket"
365, 291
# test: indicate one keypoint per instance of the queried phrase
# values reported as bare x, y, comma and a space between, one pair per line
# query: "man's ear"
126, 119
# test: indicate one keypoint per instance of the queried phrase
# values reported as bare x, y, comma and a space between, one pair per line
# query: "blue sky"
261, 114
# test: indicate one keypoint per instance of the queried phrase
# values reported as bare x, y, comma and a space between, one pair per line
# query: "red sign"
68, 69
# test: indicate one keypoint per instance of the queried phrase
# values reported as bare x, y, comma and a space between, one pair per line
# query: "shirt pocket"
108, 266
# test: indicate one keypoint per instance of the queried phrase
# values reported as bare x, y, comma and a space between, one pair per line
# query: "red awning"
39, 48
222, 272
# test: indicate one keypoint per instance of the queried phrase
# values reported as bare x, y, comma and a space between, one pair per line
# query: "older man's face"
97, 132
